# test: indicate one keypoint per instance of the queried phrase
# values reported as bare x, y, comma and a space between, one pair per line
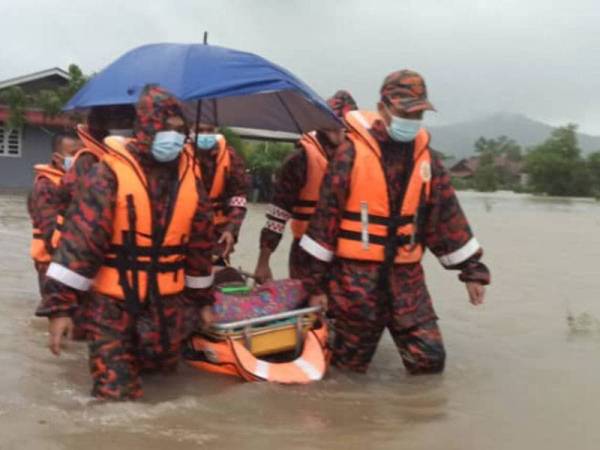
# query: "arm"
321, 238
198, 268
236, 189
70, 181
85, 240
44, 206
291, 178
447, 232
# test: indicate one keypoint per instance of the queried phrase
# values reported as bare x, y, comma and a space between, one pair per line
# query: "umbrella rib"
289, 112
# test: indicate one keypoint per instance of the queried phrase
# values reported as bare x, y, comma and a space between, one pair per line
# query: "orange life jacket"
38, 249
91, 147
143, 260
309, 195
90, 144
367, 220
229, 357
217, 190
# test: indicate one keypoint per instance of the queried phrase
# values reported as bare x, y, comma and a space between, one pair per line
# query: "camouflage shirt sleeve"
71, 180
200, 247
291, 178
236, 192
447, 232
85, 238
45, 204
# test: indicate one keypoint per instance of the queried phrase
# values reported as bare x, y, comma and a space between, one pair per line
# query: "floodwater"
520, 373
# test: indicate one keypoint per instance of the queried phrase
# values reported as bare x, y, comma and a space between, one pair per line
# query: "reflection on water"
522, 370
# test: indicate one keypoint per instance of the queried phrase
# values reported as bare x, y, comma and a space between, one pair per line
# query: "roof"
265, 135
468, 166
53, 72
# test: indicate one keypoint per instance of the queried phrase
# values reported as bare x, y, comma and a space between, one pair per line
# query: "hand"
263, 273
476, 292
59, 327
206, 316
318, 300
228, 240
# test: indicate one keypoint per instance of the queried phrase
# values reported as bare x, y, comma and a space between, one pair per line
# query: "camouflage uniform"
363, 299
122, 345
235, 190
291, 178
44, 204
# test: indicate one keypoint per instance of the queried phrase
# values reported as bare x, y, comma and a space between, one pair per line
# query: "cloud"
535, 57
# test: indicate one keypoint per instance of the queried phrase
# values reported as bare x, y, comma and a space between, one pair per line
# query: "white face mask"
401, 129
67, 162
125, 132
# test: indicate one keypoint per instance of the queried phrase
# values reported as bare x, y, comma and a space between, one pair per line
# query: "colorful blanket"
269, 298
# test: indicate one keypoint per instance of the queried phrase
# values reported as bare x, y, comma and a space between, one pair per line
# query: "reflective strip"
276, 227
262, 369
364, 224
360, 118
311, 372
199, 282
278, 213
239, 202
460, 255
68, 277
316, 249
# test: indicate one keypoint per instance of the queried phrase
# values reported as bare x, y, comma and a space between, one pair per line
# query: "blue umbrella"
237, 89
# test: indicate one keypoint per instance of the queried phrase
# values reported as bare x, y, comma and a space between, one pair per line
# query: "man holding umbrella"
132, 238
385, 199
296, 191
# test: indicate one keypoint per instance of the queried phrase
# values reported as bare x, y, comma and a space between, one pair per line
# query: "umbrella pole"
198, 114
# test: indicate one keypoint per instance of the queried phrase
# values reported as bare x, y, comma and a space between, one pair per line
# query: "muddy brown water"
520, 375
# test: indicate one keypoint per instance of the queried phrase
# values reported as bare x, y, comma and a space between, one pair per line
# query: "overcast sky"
536, 57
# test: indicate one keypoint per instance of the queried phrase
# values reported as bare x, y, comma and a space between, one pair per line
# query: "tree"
501, 146
50, 101
492, 172
593, 163
556, 167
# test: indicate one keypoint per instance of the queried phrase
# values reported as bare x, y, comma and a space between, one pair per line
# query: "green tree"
556, 167
593, 164
50, 101
17, 102
492, 173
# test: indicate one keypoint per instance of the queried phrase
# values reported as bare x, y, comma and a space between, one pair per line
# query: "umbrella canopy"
235, 88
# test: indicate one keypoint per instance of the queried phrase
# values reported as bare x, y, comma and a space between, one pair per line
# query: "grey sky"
536, 57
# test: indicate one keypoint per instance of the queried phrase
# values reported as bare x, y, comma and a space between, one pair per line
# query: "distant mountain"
458, 139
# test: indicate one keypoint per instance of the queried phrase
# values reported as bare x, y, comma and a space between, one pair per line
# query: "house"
466, 168
22, 148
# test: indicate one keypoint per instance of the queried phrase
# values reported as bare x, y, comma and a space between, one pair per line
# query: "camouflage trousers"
361, 311
122, 347
299, 261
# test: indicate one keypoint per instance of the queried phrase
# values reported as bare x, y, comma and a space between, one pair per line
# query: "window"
10, 142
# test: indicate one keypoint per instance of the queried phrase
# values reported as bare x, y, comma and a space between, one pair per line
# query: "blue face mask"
167, 145
67, 163
401, 129
206, 141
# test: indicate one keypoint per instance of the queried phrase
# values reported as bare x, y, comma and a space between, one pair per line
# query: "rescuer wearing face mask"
224, 175
46, 202
385, 199
296, 191
139, 236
